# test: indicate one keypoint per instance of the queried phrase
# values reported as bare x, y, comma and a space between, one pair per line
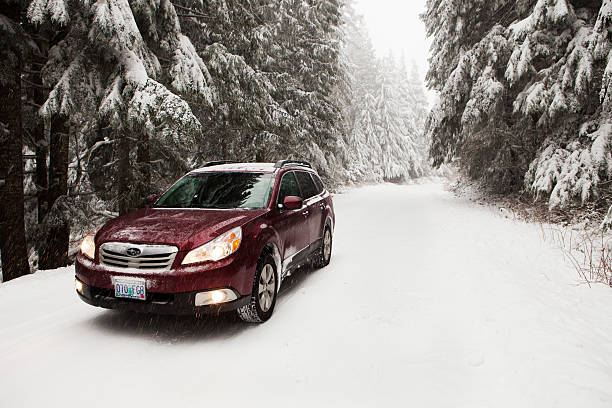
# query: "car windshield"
219, 190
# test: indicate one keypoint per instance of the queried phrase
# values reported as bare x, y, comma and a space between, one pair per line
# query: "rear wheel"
263, 295
323, 255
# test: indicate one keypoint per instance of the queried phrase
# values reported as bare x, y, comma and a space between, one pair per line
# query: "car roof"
249, 167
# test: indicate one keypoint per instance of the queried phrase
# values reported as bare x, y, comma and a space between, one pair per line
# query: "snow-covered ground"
430, 301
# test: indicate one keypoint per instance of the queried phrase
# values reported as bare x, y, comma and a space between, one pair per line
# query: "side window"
288, 187
307, 185
318, 183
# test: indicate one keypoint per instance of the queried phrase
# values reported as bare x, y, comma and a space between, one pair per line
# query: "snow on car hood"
185, 229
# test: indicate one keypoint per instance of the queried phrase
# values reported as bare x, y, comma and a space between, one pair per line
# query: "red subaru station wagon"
222, 238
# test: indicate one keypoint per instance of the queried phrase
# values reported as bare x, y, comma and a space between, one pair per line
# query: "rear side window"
288, 187
318, 183
306, 184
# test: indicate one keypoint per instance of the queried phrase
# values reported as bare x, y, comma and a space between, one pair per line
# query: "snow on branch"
484, 98
55, 11
113, 28
188, 71
161, 112
573, 172
75, 91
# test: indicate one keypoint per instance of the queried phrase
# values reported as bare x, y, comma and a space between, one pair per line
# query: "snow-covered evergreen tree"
524, 93
235, 39
122, 66
15, 43
418, 106
398, 151
275, 68
412, 105
307, 71
359, 106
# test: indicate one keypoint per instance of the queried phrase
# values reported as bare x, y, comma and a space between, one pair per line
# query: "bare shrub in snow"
590, 253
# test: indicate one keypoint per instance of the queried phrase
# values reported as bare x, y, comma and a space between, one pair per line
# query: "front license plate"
131, 288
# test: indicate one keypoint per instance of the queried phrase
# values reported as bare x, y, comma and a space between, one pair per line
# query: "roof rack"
283, 163
219, 162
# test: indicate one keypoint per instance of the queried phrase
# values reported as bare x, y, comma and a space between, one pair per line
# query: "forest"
103, 103
525, 96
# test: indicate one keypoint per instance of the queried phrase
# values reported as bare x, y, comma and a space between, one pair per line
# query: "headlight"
88, 245
217, 249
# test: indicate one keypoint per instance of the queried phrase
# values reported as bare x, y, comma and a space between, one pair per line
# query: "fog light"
215, 297
78, 285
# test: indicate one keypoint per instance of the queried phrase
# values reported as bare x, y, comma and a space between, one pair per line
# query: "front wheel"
324, 254
263, 295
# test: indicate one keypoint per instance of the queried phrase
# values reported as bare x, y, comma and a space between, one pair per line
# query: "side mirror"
150, 200
293, 203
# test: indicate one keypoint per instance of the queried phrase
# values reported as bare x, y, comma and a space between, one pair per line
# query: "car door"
313, 202
292, 224
319, 207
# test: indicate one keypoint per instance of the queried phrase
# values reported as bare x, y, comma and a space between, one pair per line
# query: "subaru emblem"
133, 251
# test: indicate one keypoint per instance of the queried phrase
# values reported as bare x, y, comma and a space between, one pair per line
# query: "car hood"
185, 229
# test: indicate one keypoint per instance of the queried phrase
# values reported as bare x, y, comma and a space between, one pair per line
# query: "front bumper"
170, 292
235, 272
158, 303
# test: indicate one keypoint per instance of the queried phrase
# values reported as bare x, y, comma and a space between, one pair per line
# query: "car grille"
152, 258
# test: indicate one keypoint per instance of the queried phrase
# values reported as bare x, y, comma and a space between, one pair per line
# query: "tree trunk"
260, 152
42, 185
42, 151
55, 253
123, 174
12, 225
143, 158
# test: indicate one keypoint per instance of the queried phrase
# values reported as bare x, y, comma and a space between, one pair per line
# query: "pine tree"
14, 44
365, 144
307, 71
244, 117
275, 68
412, 110
54, 252
122, 67
363, 155
418, 104
524, 98
397, 151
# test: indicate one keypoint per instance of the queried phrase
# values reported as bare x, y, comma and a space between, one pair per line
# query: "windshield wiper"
176, 205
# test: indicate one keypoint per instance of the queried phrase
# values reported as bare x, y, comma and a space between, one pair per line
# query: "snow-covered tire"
263, 295
323, 255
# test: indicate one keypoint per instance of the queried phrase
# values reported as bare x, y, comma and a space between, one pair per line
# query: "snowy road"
429, 301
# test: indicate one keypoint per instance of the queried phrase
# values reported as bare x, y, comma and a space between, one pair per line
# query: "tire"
323, 255
263, 295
